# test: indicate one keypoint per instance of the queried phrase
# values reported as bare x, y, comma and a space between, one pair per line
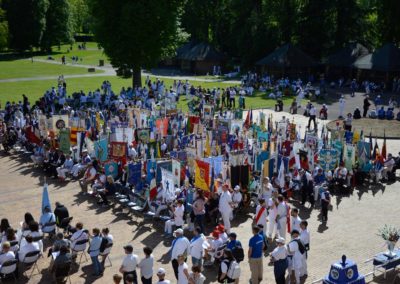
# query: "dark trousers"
324, 211
175, 266
146, 281
131, 273
312, 118
280, 279
365, 112
200, 221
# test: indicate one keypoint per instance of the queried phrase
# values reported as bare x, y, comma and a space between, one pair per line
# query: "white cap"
237, 188
161, 271
178, 231
280, 240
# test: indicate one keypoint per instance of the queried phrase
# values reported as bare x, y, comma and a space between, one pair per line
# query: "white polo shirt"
130, 262
181, 246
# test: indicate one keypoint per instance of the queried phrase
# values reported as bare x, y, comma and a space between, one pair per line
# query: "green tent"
384, 59
287, 56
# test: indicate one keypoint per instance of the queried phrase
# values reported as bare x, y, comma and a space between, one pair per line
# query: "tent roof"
385, 59
346, 56
287, 56
198, 51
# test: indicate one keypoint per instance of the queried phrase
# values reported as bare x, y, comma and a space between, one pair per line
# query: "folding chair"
106, 253
64, 224
8, 269
80, 248
30, 260
49, 228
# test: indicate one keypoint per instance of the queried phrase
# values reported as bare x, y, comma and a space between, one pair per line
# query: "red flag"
383, 152
153, 189
31, 135
249, 119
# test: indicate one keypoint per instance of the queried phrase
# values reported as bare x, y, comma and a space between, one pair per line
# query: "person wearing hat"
85, 160
222, 234
129, 263
210, 253
180, 246
177, 220
161, 277
236, 196
279, 257
296, 250
225, 207
342, 104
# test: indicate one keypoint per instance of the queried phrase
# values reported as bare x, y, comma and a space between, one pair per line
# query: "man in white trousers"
272, 212
281, 218
225, 207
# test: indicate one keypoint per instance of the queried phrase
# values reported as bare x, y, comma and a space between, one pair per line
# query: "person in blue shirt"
320, 177
389, 114
94, 251
255, 255
233, 242
381, 113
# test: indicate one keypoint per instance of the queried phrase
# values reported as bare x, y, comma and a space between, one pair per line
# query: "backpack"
227, 279
302, 248
238, 253
103, 245
233, 270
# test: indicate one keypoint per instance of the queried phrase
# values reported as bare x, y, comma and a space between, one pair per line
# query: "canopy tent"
346, 56
287, 56
384, 59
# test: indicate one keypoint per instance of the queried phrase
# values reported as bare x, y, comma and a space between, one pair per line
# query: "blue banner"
111, 169
134, 173
101, 150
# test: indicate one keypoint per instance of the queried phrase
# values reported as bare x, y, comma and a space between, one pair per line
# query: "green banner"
65, 142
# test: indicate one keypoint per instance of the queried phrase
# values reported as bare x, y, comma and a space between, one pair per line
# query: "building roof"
384, 59
198, 51
287, 56
346, 56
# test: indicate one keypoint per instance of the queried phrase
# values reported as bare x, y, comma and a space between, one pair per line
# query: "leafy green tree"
3, 29
26, 22
135, 34
388, 12
197, 18
80, 15
349, 21
59, 25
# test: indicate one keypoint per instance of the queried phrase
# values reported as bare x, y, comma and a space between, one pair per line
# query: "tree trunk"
136, 77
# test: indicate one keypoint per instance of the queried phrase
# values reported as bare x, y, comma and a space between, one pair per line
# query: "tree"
135, 34
196, 18
348, 22
58, 24
3, 29
388, 20
26, 22
80, 15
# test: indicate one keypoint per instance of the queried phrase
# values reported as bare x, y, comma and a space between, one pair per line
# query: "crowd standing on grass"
190, 171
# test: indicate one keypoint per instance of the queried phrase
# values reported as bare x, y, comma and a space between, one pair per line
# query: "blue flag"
45, 198
134, 173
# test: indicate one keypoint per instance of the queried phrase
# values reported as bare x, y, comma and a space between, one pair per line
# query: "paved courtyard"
351, 230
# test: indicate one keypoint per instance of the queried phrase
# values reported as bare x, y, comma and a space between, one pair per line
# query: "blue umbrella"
45, 198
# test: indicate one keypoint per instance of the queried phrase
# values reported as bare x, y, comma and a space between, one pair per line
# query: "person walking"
225, 207
342, 104
279, 257
325, 201
313, 115
366, 106
255, 254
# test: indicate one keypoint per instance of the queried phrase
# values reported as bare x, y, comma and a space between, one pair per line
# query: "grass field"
24, 68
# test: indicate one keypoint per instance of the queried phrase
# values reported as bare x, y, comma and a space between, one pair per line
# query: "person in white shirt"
161, 277
196, 249
388, 166
28, 247
266, 190
146, 266
79, 235
178, 219
180, 246
279, 258
225, 207
261, 215
295, 220
88, 178
110, 240
313, 113
281, 218
295, 256
65, 168
46, 218
272, 213
236, 196
129, 263
183, 270
214, 243
6, 253
305, 239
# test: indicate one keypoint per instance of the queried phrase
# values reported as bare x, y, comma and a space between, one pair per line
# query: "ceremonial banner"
101, 150
262, 121
260, 158
348, 137
144, 135
111, 169
268, 167
167, 165
73, 135
328, 159
134, 173
292, 132
363, 154
32, 135
356, 137
59, 122
262, 136
90, 146
236, 126
338, 146
207, 111
202, 175
151, 169
349, 156
176, 171
118, 150
153, 150
42, 123
167, 180
311, 140
162, 126
65, 145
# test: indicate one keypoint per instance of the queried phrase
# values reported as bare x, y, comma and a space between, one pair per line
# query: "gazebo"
287, 60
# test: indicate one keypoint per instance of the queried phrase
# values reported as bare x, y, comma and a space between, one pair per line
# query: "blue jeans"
200, 222
96, 265
197, 261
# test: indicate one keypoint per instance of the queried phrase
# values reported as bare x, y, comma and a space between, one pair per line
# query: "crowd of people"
186, 210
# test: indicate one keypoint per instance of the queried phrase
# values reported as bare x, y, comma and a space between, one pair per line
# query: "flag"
249, 118
134, 173
375, 152
383, 152
101, 150
167, 180
207, 152
262, 121
153, 189
176, 171
111, 169
370, 144
45, 198
202, 175
32, 136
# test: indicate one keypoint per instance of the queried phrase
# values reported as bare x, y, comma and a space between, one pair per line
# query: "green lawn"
90, 56
24, 68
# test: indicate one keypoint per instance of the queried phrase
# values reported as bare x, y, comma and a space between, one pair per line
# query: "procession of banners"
201, 149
